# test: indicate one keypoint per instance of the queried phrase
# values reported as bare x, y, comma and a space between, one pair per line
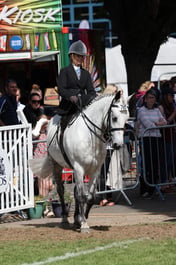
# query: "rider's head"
77, 52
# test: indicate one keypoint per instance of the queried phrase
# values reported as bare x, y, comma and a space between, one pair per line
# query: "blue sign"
16, 43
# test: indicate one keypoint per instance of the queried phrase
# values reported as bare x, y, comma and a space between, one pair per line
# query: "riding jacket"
69, 85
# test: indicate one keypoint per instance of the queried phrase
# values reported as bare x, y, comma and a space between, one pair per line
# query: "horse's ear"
117, 95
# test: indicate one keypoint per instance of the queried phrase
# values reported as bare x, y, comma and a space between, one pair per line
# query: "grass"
145, 252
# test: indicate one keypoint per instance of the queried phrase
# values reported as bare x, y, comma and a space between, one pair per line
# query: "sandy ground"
117, 222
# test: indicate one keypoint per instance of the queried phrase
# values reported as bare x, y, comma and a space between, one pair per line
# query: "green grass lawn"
89, 252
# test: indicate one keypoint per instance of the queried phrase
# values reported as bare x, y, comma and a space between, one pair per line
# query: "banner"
29, 25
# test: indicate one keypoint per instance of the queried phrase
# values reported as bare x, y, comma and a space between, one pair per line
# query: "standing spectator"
168, 109
20, 106
137, 99
8, 104
112, 170
173, 86
34, 115
149, 116
42, 185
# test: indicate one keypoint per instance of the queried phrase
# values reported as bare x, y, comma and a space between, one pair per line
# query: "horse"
84, 144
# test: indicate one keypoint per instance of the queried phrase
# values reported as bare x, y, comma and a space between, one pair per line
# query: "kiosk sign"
28, 13
4, 171
30, 25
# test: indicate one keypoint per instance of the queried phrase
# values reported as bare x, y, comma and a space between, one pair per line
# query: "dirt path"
107, 226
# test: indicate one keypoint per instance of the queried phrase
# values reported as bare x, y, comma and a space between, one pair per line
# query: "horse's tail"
42, 167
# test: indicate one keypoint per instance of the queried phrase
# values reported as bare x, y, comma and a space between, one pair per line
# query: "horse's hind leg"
60, 190
80, 202
77, 221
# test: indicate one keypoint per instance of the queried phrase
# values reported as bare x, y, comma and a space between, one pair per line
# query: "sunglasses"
35, 101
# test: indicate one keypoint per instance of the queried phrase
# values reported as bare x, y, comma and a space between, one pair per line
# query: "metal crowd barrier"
112, 177
158, 157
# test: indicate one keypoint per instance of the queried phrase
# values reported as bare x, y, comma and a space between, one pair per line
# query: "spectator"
36, 89
173, 86
113, 170
111, 89
137, 99
149, 116
8, 104
33, 109
41, 185
168, 109
20, 106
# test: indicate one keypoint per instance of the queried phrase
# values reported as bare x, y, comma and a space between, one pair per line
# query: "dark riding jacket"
69, 85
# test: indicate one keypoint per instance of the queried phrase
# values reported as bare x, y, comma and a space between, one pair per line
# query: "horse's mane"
97, 98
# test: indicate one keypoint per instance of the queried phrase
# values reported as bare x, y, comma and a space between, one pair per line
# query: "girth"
65, 121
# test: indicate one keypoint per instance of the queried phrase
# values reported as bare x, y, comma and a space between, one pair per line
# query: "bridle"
107, 132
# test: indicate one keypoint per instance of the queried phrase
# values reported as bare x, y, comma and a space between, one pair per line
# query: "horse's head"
117, 116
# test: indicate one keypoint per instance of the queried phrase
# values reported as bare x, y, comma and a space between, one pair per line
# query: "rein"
84, 116
108, 129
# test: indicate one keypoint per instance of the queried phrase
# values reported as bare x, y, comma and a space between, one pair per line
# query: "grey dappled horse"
85, 147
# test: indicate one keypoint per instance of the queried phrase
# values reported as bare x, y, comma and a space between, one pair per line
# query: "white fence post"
16, 178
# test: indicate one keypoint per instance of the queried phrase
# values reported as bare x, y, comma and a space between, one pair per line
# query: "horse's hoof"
65, 221
65, 224
84, 228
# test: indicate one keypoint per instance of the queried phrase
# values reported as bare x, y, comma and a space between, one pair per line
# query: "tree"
141, 27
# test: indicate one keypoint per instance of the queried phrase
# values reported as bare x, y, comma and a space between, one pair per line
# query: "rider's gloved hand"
73, 99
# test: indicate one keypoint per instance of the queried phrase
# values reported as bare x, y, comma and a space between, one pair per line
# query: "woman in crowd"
168, 109
149, 116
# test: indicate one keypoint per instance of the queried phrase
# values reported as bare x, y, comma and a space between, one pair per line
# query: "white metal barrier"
16, 179
159, 158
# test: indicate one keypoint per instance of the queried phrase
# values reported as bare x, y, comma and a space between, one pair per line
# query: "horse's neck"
97, 112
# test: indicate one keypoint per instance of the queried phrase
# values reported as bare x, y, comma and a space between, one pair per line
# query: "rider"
74, 82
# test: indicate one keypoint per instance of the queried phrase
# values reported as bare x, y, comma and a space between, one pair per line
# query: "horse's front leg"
60, 190
80, 202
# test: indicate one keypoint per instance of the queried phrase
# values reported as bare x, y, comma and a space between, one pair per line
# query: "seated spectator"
33, 109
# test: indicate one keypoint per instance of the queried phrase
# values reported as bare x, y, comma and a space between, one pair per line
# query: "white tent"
165, 63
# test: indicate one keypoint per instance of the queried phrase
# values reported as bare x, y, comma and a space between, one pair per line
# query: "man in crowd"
8, 104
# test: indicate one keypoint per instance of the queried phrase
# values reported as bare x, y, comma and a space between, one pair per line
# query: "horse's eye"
114, 119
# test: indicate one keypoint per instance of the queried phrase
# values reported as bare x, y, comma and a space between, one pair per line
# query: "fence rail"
16, 178
159, 158
16, 181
